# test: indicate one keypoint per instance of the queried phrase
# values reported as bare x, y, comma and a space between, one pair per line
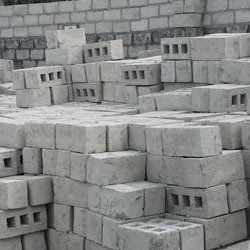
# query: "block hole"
85, 92
92, 92
234, 100
166, 49
175, 199
37, 217
243, 99
59, 75
89, 53
97, 51
184, 49
105, 50
43, 77
51, 76
11, 222
198, 201
21, 160
175, 49
134, 74
186, 200
24, 220
142, 74
78, 92
126, 75
7, 162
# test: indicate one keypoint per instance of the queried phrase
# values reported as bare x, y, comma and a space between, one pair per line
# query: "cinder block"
11, 244
191, 141
183, 71
88, 92
59, 94
78, 166
49, 159
196, 172
64, 56
29, 98
201, 99
6, 65
63, 163
131, 95
116, 167
147, 103
18, 79
93, 72
82, 138
202, 203
8, 162
178, 48
237, 196
168, 71
103, 51
80, 221
94, 227
22, 221
34, 241
32, 161
5, 76
78, 73
65, 38
114, 92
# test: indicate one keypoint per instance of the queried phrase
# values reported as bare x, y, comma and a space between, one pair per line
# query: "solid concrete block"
202, 203
32, 161
103, 51
94, 227
63, 163
11, 244
78, 73
201, 99
65, 38
59, 94
131, 95
34, 241
114, 92
183, 71
147, 103
183, 140
78, 166
116, 167
80, 221
168, 71
62, 217
29, 98
178, 48
237, 196
196, 172
49, 159
93, 72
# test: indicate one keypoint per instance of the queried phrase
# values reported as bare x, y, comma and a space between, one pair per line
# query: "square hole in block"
51, 76
59, 75
175, 199
85, 92
142, 74
134, 74
7, 162
126, 75
243, 99
78, 92
166, 49
186, 200
184, 49
105, 51
97, 51
92, 92
89, 53
37, 217
11, 222
234, 99
43, 77
24, 220
21, 160
198, 201
175, 49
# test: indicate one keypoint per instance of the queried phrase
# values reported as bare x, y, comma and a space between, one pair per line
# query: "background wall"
140, 23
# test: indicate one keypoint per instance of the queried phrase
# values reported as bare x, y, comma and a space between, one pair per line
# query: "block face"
168, 71
203, 203
59, 94
175, 48
93, 72
201, 99
32, 161
200, 141
11, 244
62, 219
80, 221
34, 241
183, 71
78, 167
116, 167
114, 92
78, 73
94, 227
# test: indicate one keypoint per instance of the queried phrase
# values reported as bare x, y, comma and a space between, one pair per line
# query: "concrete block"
6, 65
11, 244
142, 73
114, 92
116, 167
40, 135
59, 94
88, 92
49, 159
246, 160
80, 221
64, 56
32, 161
22, 221
168, 71
103, 51
63, 163
196, 172
183, 71
81, 138
201, 99
65, 38
94, 227
131, 95
70, 192
5, 76
202, 203
178, 48
8, 162
215, 72
62, 217
78, 73
34, 241
78, 166
93, 72
29, 98
147, 103
200, 71
237, 196
179, 140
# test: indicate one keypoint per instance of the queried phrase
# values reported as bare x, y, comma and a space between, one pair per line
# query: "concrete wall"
141, 23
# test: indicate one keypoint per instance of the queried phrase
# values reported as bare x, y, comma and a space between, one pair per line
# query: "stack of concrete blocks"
207, 53
204, 184
220, 98
41, 86
142, 77
6, 85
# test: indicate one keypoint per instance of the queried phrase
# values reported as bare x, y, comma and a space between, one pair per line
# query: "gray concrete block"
80, 221
11, 243
131, 95
114, 92
78, 166
32, 161
78, 73
94, 227
168, 71
34, 241
93, 72
147, 103
59, 94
